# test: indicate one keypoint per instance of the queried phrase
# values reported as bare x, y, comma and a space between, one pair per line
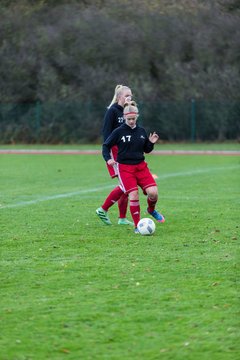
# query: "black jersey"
113, 119
132, 144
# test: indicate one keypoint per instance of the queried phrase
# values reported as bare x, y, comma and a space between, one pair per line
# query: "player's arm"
108, 123
107, 145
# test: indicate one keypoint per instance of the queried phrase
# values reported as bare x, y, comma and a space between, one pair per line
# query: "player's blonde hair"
117, 93
130, 108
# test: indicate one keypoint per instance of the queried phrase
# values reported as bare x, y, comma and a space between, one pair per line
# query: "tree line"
56, 53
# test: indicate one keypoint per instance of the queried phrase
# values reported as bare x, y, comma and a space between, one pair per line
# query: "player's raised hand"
153, 137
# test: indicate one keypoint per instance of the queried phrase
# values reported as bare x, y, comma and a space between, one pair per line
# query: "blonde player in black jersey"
133, 172
113, 119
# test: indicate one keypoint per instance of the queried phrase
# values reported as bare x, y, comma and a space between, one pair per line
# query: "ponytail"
117, 93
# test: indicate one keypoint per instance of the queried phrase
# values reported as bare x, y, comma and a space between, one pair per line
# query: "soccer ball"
146, 226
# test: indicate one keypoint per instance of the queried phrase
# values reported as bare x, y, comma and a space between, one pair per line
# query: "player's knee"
133, 195
153, 192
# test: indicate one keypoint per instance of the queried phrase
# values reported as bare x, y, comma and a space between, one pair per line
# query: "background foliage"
77, 51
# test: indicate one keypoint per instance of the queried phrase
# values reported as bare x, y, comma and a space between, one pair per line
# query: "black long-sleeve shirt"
113, 119
132, 144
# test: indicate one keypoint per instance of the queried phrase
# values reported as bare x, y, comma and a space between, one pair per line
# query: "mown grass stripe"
86, 191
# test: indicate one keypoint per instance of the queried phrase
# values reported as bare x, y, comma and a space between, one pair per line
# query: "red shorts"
113, 169
132, 176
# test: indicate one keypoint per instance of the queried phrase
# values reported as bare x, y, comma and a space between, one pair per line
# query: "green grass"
162, 146
73, 288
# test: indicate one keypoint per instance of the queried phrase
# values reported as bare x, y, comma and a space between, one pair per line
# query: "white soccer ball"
146, 226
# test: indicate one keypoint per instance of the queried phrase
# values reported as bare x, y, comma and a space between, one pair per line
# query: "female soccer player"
113, 119
132, 142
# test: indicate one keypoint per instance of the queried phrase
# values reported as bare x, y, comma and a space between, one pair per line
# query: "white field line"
55, 197
198, 171
87, 191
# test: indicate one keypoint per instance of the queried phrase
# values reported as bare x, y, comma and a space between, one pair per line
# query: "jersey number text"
126, 138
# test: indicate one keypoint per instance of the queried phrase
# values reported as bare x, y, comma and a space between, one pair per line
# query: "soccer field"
74, 288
